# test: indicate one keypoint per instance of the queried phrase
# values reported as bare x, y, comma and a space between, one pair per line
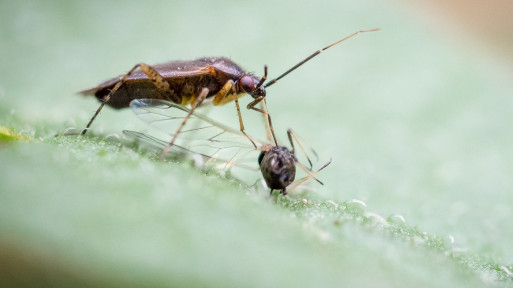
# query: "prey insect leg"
292, 136
310, 175
162, 85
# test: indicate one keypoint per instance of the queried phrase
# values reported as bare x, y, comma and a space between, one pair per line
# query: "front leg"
228, 94
264, 112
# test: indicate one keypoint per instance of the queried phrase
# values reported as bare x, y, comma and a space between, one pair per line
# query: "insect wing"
155, 144
168, 70
201, 135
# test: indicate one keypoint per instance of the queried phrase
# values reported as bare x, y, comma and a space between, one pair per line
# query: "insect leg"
265, 112
292, 136
309, 172
310, 175
227, 94
197, 102
242, 124
162, 85
266, 124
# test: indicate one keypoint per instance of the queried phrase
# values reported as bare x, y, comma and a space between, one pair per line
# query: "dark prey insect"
190, 83
218, 143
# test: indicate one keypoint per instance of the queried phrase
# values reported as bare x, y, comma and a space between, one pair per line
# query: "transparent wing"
201, 135
157, 145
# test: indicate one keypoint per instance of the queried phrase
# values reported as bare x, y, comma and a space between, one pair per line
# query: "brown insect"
190, 83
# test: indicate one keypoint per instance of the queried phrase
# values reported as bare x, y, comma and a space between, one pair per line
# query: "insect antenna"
262, 80
312, 56
310, 175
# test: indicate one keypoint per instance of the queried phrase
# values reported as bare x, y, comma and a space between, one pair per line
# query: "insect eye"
261, 157
247, 83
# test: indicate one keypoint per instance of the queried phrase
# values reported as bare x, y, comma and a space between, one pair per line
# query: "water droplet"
68, 130
448, 241
332, 203
356, 202
113, 135
376, 219
198, 160
418, 240
324, 236
397, 219
505, 269
356, 205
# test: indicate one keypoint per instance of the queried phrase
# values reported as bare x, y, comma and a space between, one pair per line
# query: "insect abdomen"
278, 167
185, 87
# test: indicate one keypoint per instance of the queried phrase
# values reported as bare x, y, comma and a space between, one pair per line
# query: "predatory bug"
191, 82
217, 143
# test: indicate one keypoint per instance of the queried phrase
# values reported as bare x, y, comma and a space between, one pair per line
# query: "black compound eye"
247, 83
261, 157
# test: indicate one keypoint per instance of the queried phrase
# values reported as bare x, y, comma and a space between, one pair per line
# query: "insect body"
219, 143
191, 82
183, 82
278, 166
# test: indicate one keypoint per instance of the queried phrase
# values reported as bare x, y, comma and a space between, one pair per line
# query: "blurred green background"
416, 118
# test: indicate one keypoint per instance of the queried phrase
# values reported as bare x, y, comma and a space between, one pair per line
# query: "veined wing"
201, 135
157, 145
